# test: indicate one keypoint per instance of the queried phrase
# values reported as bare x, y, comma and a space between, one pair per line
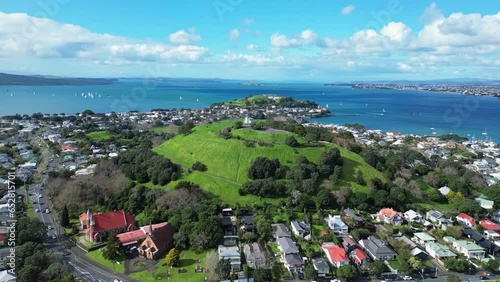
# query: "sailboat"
383, 110
326, 105
485, 133
180, 98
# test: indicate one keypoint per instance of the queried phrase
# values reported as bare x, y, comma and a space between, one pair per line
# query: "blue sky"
252, 39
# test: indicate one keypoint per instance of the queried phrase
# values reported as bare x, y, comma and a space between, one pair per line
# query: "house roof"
110, 220
334, 253
352, 213
349, 242
435, 214
359, 255
163, 236
248, 219
422, 236
388, 213
232, 251
473, 235
467, 217
254, 250
467, 245
139, 234
294, 259
411, 214
320, 263
377, 247
280, 230
287, 245
440, 250
489, 225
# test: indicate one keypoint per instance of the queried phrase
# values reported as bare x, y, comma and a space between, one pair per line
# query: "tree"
455, 231
199, 166
211, 262
491, 265
291, 141
223, 269
263, 167
415, 263
65, 217
324, 198
238, 124
453, 278
347, 272
55, 272
328, 160
206, 233
310, 273
29, 273
377, 267
360, 179
263, 229
173, 257
262, 275
112, 250
459, 265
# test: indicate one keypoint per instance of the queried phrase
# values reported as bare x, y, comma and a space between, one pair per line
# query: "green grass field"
188, 262
227, 161
97, 256
99, 135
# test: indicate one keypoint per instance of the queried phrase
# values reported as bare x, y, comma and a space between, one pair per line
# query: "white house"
466, 220
412, 216
484, 203
231, 254
469, 249
390, 216
336, 224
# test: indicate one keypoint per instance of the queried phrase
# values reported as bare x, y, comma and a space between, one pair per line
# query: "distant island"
478, 89
252, 83
39, 80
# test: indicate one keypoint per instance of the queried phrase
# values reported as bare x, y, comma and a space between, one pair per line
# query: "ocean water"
416, 112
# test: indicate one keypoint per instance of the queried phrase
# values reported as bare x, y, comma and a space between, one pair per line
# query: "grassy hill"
227, 161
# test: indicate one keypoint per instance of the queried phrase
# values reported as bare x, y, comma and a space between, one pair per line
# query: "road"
56, 240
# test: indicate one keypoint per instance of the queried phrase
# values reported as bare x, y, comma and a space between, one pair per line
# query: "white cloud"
347, 10
183, 37
431, 14
234, 34
27, 36
258, 59
305, 38
248, 21
253, 47
396, 31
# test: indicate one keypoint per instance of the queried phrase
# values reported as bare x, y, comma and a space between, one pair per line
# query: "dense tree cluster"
263, 167
143, 165
266, 188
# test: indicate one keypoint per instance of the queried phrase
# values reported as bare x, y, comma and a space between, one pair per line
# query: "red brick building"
97, 225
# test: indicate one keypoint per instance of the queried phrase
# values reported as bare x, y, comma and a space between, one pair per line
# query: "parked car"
54, 237
37, 210
50, 227
407, 278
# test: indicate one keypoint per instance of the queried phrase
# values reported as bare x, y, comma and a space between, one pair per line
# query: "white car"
54, 237
407, 278
37, 210
50, 227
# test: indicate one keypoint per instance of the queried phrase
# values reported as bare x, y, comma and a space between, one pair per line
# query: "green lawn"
99, 135
188, 262
97, 256
394, 264
275, 248
227, 161
165, 129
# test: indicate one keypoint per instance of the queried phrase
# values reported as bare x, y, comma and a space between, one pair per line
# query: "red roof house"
134, 237
359, 256
489, 225
96, 225
335, 254
466, 219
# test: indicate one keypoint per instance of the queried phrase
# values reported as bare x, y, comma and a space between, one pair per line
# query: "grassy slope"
99, 135
228, 160
97, 256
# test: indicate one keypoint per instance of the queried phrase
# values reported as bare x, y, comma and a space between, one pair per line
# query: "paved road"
57, 242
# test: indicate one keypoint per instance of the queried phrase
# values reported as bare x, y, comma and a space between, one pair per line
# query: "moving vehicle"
407, 278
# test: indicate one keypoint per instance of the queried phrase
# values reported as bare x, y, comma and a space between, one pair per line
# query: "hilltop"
228, 160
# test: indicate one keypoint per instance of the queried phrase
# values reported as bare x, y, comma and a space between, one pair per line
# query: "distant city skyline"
252, 40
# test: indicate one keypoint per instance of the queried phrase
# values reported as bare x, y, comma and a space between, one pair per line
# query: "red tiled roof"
335, 253
110, 220
388, 213
489, 225
138, 234
359, 255
467, 217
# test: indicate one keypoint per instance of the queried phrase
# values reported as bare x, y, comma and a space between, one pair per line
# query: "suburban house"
97, 225
135, 237
231, 254
412, 216
436, 217
438, 251
423, 238
377, 249
301, 229
496, 217
255, 255
321, 266
466, 220
485, 203
354, 215
157, 242
287, 246
469, 249
444, 190
290, 254
336, 224
490, 247
415, 250
350, 244
293, 262
247, 224
359, 257
335, 254
280, 230
489, 225
390, 216
491, 235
